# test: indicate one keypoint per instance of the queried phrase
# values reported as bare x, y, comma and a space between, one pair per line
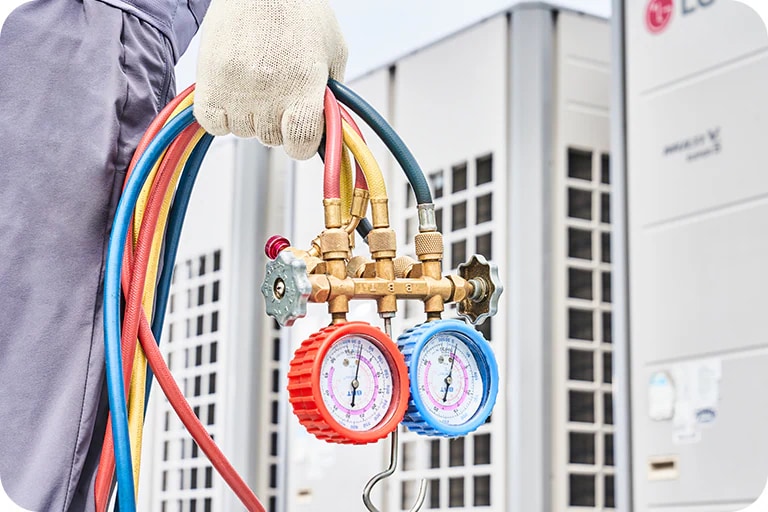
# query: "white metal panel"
703, 294
251, 412
619, 259
719, 507
728, 464
704, 72
703, 286
727, 104
696, 196
701, 35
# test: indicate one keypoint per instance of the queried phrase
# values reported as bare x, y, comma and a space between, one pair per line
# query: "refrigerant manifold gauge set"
351, 382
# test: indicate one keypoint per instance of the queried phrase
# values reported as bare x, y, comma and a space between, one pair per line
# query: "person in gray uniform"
80, 81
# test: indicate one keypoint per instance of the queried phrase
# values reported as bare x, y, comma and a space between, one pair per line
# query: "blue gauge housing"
418, 417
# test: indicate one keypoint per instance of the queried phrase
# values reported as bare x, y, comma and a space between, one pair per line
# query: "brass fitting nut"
403, 266
460, 288
382, 243
312, 263
356, 266
309, 259
429, 246
334, 244
314, 249
321, 288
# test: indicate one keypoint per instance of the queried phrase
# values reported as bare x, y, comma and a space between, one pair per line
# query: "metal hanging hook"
393, 454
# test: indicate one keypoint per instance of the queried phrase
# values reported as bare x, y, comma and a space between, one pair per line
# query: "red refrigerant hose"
333, 146
191, 421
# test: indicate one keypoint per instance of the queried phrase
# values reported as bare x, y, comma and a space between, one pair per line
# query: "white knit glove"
262, 70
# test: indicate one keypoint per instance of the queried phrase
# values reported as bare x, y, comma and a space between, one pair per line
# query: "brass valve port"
334, 245
429, 250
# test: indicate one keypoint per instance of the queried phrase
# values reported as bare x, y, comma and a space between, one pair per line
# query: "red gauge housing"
305, 391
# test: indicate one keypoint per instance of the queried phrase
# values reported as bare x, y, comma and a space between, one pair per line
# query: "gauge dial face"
449, 380
356, 383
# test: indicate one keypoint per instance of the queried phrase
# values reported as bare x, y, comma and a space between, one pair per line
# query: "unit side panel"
582, 422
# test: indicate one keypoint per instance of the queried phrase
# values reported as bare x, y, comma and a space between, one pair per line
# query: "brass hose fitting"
359, 207
332, 210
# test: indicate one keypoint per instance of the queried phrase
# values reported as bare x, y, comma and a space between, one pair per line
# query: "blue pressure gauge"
453, 375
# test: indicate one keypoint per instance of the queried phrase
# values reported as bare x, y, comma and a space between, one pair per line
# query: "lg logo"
658, 13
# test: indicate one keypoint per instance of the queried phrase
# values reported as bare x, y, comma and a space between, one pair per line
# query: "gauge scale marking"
356, 383
450, 383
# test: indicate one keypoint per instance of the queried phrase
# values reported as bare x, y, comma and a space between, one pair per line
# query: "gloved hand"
262, 70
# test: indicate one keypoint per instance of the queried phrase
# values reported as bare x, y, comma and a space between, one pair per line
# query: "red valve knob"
320, 384
274, 245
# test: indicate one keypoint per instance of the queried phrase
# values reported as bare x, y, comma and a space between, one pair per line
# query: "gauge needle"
448, 378
355, 382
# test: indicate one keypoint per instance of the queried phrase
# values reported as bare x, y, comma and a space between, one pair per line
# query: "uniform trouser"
79, 83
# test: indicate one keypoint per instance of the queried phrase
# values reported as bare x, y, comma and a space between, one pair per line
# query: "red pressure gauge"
348, 384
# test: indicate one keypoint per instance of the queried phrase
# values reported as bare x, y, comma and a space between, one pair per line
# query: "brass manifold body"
337, 277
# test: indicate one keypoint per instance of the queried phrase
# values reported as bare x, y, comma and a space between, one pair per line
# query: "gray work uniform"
80, 81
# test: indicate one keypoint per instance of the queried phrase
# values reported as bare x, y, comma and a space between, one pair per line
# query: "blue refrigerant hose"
111, 305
